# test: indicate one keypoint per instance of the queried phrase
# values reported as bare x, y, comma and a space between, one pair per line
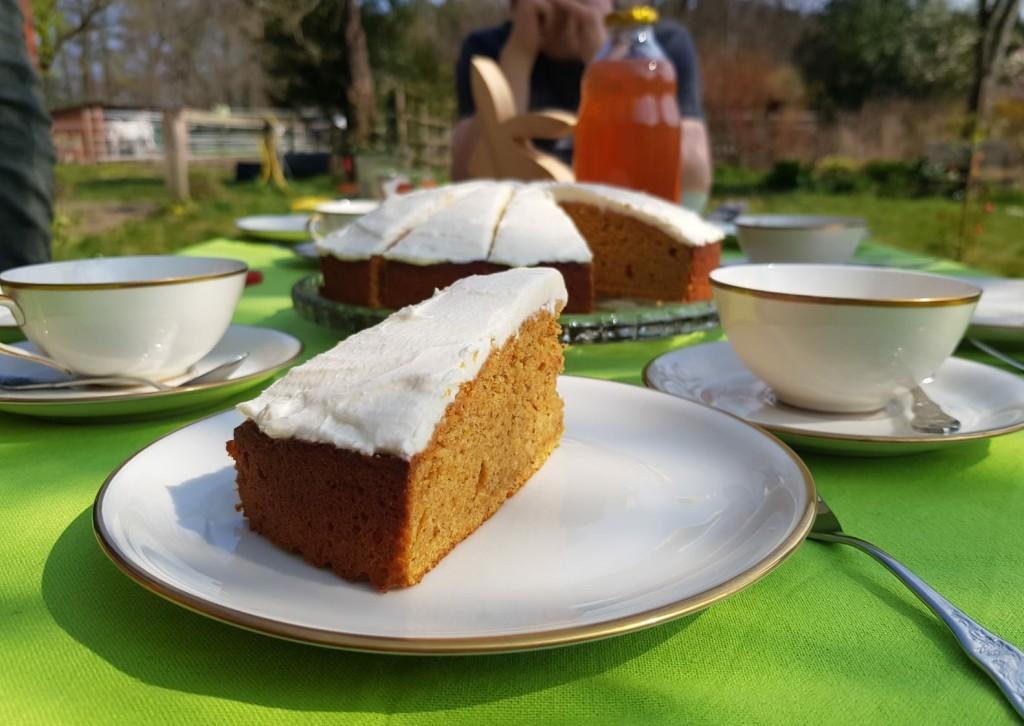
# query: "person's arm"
695, 151
697, 164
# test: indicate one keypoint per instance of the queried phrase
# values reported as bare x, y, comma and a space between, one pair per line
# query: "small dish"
275, 227
999, 317
989, 402
799, 237
307, 251
269, 352
622, 528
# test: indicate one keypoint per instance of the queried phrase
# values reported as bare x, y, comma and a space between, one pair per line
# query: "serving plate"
614, 319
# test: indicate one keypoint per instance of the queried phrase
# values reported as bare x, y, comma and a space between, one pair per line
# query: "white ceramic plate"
307, 251
999, 317
269, 351
277, 227
651, 508
989, 402
348, 207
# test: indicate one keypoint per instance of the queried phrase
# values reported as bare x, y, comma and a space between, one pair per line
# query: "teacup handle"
8, 302
12, 351
313, 226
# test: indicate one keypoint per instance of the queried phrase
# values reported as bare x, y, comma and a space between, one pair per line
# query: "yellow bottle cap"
640, 15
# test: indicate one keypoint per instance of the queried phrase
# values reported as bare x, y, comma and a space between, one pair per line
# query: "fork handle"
1000, 660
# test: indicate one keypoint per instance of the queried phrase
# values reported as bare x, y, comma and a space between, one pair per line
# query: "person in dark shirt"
543, 51
26, 151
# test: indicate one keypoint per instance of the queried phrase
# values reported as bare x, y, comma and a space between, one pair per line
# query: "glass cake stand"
614, 319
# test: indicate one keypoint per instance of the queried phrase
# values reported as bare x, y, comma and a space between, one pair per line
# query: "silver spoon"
927, 417
1003, 662
216, 373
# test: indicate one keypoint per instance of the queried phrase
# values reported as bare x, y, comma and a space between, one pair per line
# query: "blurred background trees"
781, 77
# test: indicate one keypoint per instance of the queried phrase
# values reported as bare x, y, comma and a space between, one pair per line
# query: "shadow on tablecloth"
167, 646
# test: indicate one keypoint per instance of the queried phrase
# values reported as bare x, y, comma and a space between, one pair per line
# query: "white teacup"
838, 337
151, 316
799, 237
332, 216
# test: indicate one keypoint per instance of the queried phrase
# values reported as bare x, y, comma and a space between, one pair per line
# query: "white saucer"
999, 317
989, 402
307, 251
269, 351
276, 227
651, 508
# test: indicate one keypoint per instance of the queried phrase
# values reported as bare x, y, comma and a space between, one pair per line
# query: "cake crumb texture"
387, 520
635, 259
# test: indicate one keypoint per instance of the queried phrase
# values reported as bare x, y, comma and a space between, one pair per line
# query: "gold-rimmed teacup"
329, 217
838, 337
146, 316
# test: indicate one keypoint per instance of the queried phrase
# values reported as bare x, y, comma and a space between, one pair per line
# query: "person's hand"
532, 22
582, 32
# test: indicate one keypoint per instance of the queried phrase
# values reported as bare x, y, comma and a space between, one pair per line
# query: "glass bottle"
628, 131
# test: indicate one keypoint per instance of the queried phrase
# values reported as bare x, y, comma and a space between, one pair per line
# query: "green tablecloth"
828, 637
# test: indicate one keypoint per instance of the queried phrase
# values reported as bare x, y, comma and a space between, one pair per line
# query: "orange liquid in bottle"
628, 132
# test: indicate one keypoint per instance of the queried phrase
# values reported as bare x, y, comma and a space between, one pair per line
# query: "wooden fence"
416, 129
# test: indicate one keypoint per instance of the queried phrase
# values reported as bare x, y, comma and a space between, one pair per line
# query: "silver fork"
1003, 663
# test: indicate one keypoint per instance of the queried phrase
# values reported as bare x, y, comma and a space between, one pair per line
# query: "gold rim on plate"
870, 439
468, 645
7, 400
241, 268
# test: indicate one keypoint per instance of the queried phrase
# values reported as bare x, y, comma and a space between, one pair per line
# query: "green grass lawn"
92, 199
123, 209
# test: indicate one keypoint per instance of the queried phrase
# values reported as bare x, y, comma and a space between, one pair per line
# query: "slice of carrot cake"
380, 455
643, 246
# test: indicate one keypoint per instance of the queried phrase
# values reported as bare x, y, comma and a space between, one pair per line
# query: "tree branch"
84, 24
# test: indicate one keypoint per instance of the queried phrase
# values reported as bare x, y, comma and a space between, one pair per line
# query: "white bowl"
838, 337
799, 238
150, 316
332, 216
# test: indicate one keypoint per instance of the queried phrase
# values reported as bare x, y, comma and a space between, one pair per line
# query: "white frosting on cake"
373, 233
462, 231
534, 229
681, 224
384, 390
476, 220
